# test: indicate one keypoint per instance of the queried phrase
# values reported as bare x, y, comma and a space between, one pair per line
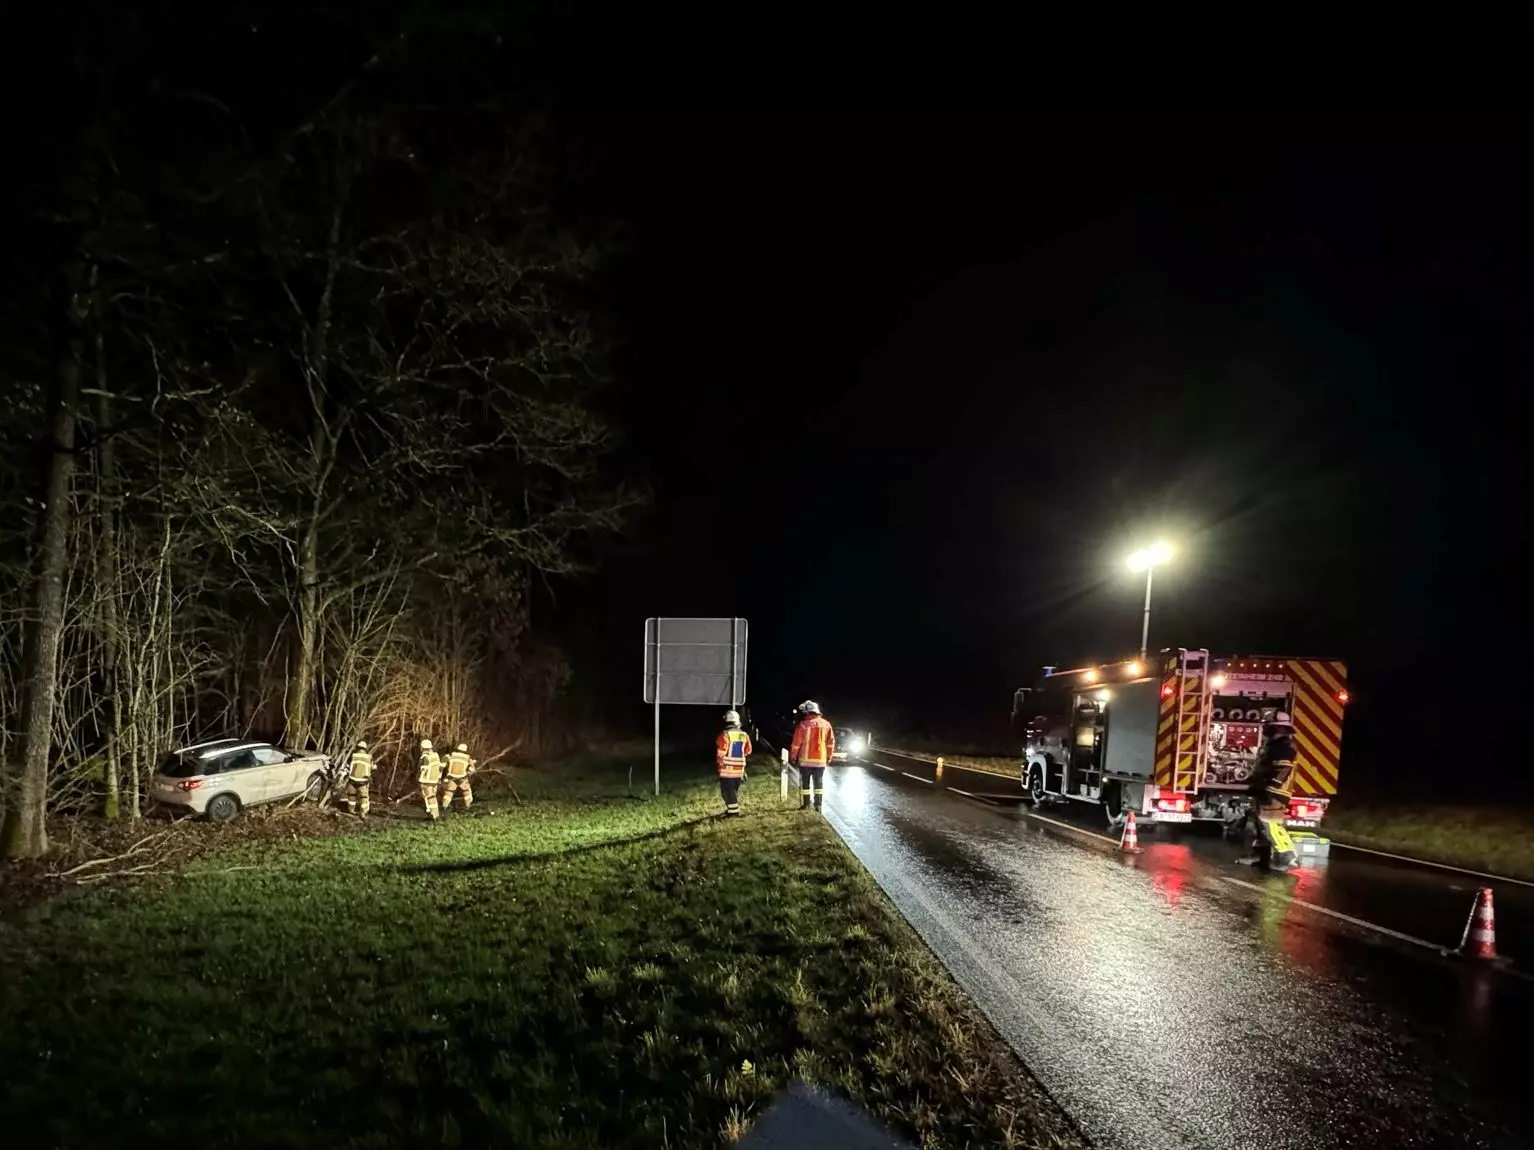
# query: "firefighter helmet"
362, 744
1282, 720
810, 707
425, 744
732, 717
462, 747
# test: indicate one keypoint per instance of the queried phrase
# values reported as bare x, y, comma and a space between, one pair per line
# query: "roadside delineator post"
940, 767
783, 778
1129, 841
1480, 937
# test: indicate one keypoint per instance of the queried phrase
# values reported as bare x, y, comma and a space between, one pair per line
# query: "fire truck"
1175, 738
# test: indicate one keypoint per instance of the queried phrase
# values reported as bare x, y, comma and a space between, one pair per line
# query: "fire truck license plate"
1174, 817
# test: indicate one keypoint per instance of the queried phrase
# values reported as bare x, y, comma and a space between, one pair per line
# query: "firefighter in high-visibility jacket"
430, 778
459, 768
359, 779
1271, 788
731, 750
814, 743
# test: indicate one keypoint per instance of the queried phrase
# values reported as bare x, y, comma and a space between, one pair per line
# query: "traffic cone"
1480, 937
1129, 841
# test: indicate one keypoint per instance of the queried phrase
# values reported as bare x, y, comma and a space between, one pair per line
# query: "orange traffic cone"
1129, 841
1480, 937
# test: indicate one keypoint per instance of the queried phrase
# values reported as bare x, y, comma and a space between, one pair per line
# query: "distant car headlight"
856, 746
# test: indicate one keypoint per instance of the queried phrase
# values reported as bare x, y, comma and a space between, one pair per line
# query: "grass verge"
1491, 839
580, 969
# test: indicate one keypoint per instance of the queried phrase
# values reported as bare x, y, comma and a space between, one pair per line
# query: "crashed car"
219, 779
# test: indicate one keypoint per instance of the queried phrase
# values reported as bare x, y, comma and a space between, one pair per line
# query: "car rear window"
180, 766
843, 732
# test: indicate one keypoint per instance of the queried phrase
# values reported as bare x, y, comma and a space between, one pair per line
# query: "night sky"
920, 339
913, 372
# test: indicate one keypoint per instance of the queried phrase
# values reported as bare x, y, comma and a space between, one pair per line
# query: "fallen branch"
137, 848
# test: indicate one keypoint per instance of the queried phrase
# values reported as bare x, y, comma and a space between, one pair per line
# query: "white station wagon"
220, 778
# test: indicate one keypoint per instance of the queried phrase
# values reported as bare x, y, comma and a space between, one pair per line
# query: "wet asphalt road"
1166, 1003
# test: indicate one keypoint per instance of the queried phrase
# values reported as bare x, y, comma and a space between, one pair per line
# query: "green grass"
582, 969
1491, 839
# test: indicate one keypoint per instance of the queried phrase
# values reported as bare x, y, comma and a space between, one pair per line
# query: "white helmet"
1282, 719
810, 707
425, 744
462, 747
362, 744
732, 717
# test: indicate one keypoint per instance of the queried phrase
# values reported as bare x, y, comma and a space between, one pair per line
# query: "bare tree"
24, 833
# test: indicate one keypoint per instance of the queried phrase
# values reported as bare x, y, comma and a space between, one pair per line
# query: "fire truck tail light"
1307, 808
1166, 691
1177, 803
1343, 696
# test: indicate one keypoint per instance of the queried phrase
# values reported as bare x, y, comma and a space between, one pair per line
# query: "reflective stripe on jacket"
431, 767
1275, 770
731, 750
458, 764
814, 742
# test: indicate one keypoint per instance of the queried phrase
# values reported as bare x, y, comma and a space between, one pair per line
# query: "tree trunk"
106, 573
308, 638
24, 834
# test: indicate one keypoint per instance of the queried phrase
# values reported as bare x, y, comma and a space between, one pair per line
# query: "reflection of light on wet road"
1166, 1007
850, 785
1170, 866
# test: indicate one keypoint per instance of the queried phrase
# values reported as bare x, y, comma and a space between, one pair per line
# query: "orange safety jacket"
814, 741
731, 750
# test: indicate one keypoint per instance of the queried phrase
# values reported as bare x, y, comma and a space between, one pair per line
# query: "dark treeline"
303, 374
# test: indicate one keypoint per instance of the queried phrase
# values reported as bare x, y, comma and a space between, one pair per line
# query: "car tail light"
1307, 808
1174, 803
191, 784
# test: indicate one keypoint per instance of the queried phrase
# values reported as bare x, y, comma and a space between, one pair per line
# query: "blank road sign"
695, 661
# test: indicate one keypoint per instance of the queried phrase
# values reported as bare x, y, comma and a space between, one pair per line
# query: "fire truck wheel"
1113, 800
1035, 785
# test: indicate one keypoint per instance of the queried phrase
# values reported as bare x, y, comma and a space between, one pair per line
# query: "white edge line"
918, 778
956, 791
1437, 865
1361, 922
1071, 827
882, 767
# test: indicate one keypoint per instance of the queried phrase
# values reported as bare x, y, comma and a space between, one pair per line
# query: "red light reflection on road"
1170, 866
1297, 931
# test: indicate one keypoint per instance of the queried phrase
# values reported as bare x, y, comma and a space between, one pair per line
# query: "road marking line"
1360, 922
956, 791
1425, 862
1071, 827
882, 767
949, 764
918, 778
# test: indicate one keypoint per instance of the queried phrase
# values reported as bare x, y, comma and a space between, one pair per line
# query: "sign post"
693, 661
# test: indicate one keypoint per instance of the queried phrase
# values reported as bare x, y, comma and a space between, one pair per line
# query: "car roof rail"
200, 746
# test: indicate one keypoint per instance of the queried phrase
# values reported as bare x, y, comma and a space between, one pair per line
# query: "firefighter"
1271, 785
360, 777
459, 767
814, 742
731, 750
430, 777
